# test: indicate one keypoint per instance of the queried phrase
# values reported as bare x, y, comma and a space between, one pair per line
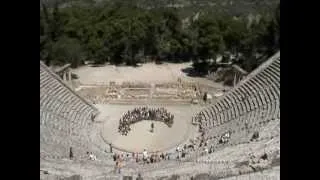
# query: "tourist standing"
211, 149
152, 127
110, 145
183, 153
71, 153
139, 177
162, 156
114, 157
116, 166
205, 96
120, 164
206, 151
145, 156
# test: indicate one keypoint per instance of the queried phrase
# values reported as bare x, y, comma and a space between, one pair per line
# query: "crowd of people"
148, 158
120, 158
144, 113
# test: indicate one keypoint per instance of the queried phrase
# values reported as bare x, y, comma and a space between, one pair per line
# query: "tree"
66, 50
234, 34
121, 32
210, 38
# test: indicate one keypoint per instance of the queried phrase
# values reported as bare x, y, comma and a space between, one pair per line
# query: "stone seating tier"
63, 115
256, 97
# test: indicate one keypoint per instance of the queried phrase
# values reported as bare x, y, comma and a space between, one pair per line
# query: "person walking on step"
120, 164
205, 96
139, 177
71, 153
116, 166
145, 156
114, 157
152, 127
110, 145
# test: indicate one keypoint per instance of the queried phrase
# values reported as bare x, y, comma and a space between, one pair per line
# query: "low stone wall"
177, 91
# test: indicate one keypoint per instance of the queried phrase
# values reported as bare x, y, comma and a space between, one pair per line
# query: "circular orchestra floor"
140, 137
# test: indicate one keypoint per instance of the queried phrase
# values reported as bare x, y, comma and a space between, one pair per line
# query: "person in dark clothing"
139, 177
264, 156
183, 153
205, 97
162, 156
255, 136
92, 117
211, 150
71, 153
110, 147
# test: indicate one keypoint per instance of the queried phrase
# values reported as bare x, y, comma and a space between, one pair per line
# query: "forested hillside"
132, 31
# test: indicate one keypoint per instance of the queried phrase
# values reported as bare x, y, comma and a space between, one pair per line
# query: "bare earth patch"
147, 73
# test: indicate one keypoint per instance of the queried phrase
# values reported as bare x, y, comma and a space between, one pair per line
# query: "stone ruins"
237, 134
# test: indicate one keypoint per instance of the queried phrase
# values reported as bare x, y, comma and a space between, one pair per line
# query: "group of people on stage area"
144, 113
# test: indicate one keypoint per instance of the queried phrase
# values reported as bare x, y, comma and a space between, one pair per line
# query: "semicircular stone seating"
64, 116
253, 103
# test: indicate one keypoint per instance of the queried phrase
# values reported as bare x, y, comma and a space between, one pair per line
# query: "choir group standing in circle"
144, 113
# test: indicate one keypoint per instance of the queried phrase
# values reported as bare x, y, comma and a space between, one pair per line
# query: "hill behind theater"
236, 7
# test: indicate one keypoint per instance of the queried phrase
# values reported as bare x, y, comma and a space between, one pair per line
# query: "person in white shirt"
206, 150
178, 149
92, 156
145, 155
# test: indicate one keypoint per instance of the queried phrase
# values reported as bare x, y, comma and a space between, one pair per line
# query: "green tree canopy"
120, 32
